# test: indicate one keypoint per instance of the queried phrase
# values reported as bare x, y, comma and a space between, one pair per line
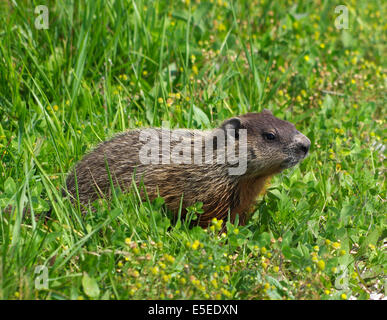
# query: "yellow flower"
195, 245
195, 69
236, 231
155, 270
128, 241
166, 278
308, 269
306, 58
226, 293
221, 27
160, 100
343, 296
321, 265
56, 108
336, 245
322, 46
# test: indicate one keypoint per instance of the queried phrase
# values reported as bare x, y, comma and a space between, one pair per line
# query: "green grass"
107, 66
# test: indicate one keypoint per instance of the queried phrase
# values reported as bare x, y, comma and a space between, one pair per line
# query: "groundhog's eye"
269, 136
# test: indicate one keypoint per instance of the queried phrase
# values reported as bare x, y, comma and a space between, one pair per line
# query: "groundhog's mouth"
290, 162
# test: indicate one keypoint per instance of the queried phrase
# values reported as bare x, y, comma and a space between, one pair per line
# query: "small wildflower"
343, 296
128, 241
306, 58
160, 100
336, 245
342, 252
195, 69
236, 231
227, 293
169, 258
166, 278
321, 265
308, 269
195, 245
221, 27
155, 270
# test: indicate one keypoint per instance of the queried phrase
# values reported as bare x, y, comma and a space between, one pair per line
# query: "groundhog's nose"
302, 143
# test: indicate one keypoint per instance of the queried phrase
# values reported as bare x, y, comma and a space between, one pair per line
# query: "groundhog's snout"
302, 144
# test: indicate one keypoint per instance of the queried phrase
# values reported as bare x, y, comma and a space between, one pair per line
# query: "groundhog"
224, 168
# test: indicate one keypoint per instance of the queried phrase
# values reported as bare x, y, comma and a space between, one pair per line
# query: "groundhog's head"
272, 144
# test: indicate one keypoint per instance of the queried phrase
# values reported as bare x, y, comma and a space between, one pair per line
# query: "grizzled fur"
210, 184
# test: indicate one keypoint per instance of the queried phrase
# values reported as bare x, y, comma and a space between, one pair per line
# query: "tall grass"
103, 67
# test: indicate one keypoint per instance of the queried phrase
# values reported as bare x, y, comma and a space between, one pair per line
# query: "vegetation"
102, 67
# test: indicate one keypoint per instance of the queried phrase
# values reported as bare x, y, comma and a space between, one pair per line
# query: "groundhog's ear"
234, 124
267, 111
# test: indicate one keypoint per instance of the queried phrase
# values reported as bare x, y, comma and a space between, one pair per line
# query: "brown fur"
220, 192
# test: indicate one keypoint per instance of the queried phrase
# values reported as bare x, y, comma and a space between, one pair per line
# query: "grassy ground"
106, 66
